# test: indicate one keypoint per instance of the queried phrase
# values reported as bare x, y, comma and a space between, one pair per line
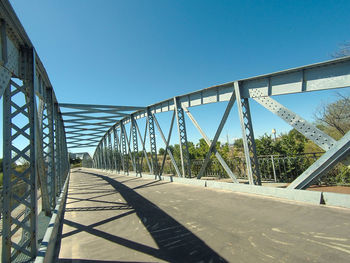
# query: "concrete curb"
47, 246
335, 199
311, 197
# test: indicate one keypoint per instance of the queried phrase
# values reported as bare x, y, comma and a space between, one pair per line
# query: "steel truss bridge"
38, 130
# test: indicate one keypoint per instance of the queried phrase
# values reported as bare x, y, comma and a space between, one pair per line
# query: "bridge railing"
272, 168
35, 158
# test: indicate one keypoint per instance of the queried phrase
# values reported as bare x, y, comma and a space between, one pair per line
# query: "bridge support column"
135, 146
181, 127
65, 157
109, 136
98, 161
105, 151
58, 160
153, 144
101, 154
49, 149
26, 179
125, 159
117, 154
41, 150
248, 137
98, 156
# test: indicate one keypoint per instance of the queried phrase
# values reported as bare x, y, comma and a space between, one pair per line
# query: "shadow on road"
68, 260
176, 243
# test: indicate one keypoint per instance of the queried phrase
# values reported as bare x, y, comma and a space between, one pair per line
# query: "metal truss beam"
181, 127
153, 145
217, 154
326, 75
336, 154
28, 243
143, 141
116, 150
94, 106
136, 158
321, 139
167, 150
212, 147
128, 141
125, 159
248, 137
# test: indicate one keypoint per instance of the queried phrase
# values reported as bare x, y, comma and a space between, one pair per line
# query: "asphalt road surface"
117, 218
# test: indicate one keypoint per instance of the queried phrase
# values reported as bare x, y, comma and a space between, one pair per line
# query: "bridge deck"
120, 218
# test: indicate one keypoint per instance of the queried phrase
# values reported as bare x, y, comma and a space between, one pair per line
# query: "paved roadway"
115, 218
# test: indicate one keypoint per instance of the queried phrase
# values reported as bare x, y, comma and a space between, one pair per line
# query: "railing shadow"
150, 184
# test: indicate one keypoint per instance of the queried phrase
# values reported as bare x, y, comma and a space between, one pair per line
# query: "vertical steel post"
51, 149
125, 159
104, 143
28, 223
101, 153
184, 153
41, 153
109, 151
117, 159
113, 166
152, 140
248, 137
65, 154
97, 157
135, 145
7, 169
98, 160
273, 169
58, 149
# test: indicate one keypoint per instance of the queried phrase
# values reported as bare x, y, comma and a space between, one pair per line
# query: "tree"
334, 118
344, 50
1, 168
289, 144
161, 151
238, 143
202, 149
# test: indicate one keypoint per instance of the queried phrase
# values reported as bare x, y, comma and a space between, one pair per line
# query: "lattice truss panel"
20, 190
184, 154
46, 115
85, 124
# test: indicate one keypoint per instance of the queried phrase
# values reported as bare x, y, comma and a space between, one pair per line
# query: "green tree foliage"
161, 151
238, 143
289, 144
202, 149
75, 162
334, 119
1, 168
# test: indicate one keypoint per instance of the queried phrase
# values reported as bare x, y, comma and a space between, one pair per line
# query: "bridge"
129, 203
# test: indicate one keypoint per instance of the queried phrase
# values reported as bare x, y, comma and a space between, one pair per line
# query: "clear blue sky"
140, 52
